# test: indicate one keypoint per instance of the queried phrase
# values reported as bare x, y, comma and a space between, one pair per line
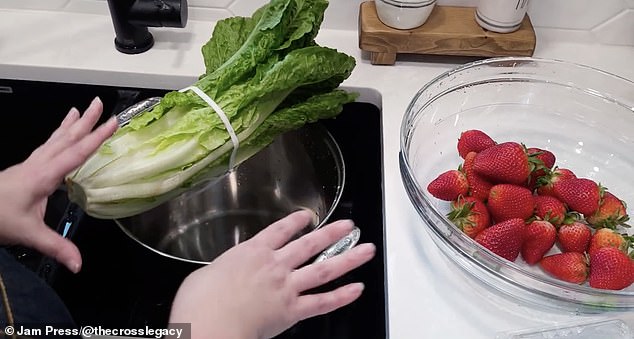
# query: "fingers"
88, 120
300, 250
280, 232
41, 152
51, 244
74, 155
317, 304
317, 274
71, 144
72, 129
72, 116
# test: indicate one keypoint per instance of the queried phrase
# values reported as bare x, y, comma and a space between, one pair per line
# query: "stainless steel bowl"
302, 169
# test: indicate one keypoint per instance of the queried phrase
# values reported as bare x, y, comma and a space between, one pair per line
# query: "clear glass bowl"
583, 115
596, 329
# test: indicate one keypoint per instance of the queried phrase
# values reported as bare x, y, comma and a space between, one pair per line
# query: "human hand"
25, 187
254, 290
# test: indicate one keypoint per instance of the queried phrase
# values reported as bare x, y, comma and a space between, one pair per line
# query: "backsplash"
608, 21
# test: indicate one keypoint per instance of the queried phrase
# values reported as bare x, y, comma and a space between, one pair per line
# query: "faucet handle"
164, 13
131, 18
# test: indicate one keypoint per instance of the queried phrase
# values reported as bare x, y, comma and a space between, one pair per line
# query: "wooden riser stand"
448, 31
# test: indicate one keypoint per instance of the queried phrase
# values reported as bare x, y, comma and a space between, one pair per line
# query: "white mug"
502, 16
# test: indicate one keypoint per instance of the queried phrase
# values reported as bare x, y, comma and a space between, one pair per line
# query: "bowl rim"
336, 153
407, 174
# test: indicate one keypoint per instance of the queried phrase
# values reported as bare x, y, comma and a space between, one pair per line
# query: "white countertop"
427, 296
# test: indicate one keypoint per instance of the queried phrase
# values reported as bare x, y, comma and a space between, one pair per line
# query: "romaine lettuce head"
266, 73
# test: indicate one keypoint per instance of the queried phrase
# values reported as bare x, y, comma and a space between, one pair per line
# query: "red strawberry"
473, 141
503, 163
478, 187
508, 201
574, 237
546, 157
546, 183
504, 238
569, 266
544, 162
612, 212
550, 208
611, 269
449, 185
470, 215
539, 238
580, 194
605, 237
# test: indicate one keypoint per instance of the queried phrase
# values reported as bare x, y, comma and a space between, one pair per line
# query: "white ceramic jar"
502, 16
404, 14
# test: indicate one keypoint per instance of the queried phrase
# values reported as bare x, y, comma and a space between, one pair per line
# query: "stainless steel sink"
125, 285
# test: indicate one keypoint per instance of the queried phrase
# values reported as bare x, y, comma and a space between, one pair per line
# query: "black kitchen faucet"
131, 19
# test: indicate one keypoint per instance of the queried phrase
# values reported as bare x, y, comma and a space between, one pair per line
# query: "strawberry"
546, 157
550, 209
508, 201
504, 238
478, 187
605, 237
574, 237
580, 194
503, 163
545, 184
612, 212
610, 269
449, 185
539, 238
473, 141
470, 215
545, 160
569, 266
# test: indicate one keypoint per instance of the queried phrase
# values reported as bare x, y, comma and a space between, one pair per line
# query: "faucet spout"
131, 19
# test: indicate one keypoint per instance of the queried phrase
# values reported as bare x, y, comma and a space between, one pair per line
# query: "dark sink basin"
124, 285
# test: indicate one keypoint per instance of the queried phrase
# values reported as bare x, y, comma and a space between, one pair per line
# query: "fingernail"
73, 113
95, 101
74, 267
366, 248
357, 287
347, 222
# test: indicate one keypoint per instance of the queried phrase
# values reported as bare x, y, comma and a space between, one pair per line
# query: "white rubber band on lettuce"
223, 117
